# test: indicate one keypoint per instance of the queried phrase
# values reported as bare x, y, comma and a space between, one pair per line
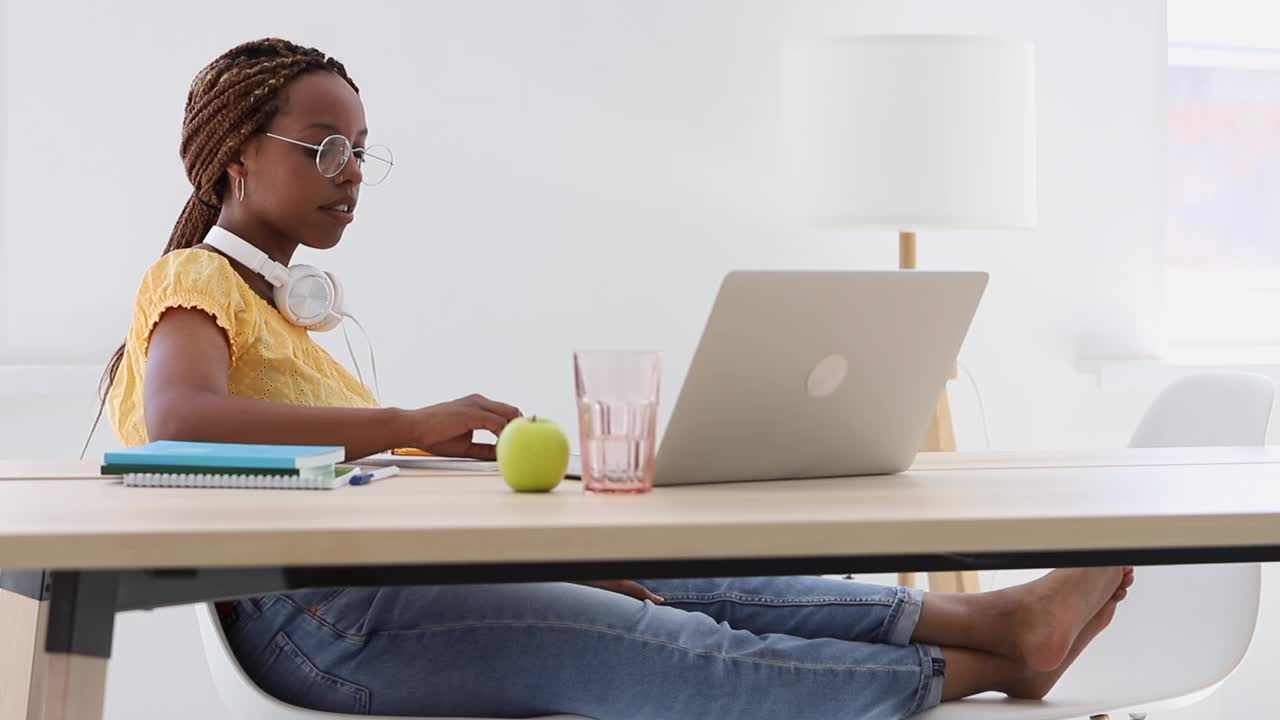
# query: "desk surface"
956, 503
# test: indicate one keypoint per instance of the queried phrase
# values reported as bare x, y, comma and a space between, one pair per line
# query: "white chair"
246, 700
1182, 630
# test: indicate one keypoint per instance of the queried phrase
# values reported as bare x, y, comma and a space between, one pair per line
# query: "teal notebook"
169, 453
119, 469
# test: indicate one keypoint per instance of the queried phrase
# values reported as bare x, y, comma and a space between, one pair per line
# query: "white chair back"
1212, 409
1183, 629
243, 698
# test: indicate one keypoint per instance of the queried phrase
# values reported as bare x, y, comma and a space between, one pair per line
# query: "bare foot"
1052, 612
1037, 683
971, 670
1126, 581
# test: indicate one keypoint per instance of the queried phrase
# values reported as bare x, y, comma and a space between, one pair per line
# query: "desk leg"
24, 612
81, 619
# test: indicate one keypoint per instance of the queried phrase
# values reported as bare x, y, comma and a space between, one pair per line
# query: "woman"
273, 143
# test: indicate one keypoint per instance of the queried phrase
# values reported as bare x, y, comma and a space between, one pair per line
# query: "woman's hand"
446, 429
625, 587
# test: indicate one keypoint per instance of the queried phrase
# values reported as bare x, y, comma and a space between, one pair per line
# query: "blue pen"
364, 478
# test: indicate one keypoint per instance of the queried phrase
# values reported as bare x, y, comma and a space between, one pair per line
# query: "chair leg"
907, 579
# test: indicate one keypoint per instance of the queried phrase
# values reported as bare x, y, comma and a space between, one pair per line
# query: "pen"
364, 478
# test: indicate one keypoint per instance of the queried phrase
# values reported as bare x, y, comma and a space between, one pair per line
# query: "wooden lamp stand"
940, 437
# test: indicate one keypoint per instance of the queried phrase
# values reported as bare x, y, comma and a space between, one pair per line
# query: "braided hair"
232, 98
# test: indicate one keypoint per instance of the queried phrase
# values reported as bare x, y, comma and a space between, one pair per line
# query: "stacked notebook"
190, 464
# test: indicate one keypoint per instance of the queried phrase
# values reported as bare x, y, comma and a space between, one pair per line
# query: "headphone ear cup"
307, 299
336, 309
339, 297
281, 294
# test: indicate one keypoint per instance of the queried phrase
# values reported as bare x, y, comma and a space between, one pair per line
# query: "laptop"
809, 374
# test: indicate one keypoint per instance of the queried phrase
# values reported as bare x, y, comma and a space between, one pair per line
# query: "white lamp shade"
917, 132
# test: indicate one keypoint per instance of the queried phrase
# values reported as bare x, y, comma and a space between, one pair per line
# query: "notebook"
336, 478
193, 464
228, 455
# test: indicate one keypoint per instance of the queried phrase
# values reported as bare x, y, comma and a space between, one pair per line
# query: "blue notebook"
225, 455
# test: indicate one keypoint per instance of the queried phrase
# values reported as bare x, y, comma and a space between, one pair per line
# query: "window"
1222, 259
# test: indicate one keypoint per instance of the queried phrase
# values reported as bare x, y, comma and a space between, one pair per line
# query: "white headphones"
305, 295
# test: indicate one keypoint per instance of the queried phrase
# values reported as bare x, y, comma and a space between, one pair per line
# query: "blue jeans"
743, 648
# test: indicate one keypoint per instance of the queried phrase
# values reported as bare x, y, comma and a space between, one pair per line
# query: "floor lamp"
920, 133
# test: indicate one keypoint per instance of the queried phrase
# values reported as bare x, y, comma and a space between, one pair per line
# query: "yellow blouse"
271, 359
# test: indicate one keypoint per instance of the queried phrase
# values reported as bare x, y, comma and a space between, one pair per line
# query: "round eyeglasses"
334, 151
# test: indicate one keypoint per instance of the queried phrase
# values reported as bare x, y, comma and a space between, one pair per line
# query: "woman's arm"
186, 398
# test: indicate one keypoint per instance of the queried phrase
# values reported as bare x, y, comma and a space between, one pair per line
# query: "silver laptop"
803, 374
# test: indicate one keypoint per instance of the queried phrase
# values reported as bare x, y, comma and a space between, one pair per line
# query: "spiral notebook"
225, 465
330, 481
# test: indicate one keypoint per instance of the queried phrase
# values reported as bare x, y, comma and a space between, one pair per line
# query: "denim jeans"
742, 648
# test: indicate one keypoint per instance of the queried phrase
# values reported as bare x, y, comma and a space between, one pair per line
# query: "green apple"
533, 454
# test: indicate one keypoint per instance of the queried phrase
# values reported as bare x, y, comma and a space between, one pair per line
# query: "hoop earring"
239, 188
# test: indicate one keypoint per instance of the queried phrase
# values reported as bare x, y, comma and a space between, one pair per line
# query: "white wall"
588, 169
570, 173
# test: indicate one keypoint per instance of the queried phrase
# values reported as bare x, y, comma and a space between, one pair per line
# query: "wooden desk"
94, 547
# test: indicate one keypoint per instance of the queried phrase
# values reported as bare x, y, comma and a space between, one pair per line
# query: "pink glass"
617, 419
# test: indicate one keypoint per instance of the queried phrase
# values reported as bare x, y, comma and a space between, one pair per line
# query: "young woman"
274, 144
